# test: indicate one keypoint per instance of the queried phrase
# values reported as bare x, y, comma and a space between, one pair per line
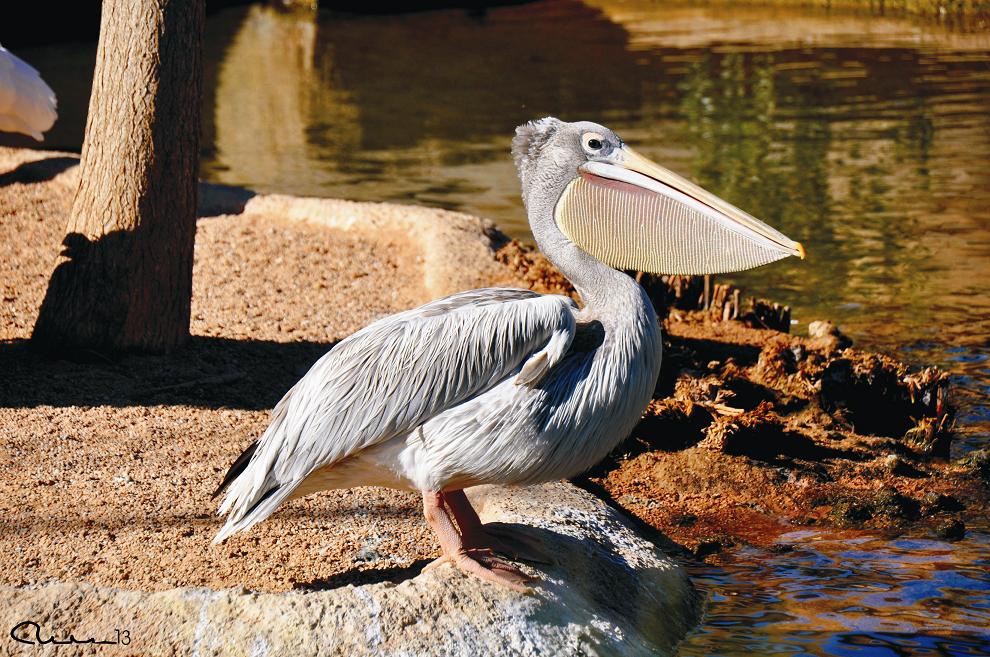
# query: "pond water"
848, 594
866, 138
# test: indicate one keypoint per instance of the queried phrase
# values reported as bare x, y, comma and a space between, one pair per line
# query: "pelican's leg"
502, 540
467, 518
476, 562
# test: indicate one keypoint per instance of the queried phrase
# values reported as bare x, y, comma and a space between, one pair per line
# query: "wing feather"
392, 376
27, 104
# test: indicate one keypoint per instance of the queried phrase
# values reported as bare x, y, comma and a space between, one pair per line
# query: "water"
848, 594
868, 139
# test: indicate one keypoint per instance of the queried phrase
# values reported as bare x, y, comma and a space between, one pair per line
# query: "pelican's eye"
593, 142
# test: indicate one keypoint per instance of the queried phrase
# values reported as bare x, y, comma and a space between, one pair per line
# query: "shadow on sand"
38, 170
208, 373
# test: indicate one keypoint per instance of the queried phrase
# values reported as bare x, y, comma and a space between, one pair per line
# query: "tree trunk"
124, 278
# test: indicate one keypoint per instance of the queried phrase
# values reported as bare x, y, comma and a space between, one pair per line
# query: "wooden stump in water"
720, 301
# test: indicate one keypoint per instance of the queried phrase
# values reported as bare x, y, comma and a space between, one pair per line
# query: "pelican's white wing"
390, 377
27, 104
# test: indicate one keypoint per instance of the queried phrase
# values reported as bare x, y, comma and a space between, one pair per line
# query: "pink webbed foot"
487, 566
493, 536
481, 563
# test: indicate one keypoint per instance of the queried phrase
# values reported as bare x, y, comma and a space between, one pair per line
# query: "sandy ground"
108, 467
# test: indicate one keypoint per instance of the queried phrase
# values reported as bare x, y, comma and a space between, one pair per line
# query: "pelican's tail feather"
236, 469
254, 489
239, 518
27, 104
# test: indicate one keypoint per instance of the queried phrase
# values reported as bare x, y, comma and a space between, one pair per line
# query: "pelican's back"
389, 378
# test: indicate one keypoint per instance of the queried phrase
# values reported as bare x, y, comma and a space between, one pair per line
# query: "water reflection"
849, 594
872, 153
411, 108
264, 136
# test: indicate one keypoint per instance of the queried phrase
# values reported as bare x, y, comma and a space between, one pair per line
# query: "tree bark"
124, 279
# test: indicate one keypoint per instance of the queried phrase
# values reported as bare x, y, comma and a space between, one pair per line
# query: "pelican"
27, 104
506, 386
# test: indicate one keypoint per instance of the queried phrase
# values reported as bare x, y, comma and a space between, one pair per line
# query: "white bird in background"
506, 386
27, 104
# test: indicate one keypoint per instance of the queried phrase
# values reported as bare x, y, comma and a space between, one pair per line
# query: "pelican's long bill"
632, 213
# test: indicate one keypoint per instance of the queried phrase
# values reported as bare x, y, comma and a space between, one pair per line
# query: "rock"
897, 466
709, 546
941, 503
607, 592
456, 248
850, 513
826, 336
952, 530
891, 503
368, 554
978, 463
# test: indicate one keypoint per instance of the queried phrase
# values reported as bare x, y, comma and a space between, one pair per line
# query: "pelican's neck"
605, 292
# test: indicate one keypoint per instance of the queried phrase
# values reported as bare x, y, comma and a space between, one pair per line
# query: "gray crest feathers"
529, 140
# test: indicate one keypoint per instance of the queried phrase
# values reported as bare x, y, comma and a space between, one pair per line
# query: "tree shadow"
113, 292
216, 199
38, 170
208, 373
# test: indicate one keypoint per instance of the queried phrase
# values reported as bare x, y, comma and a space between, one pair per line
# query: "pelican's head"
631, 213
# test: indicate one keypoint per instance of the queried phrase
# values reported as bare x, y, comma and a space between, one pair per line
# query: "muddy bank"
754, 432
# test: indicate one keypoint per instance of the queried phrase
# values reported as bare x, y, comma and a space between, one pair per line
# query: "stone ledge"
456, 248
608, 592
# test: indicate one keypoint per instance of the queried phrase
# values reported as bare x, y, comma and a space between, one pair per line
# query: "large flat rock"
608, 591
